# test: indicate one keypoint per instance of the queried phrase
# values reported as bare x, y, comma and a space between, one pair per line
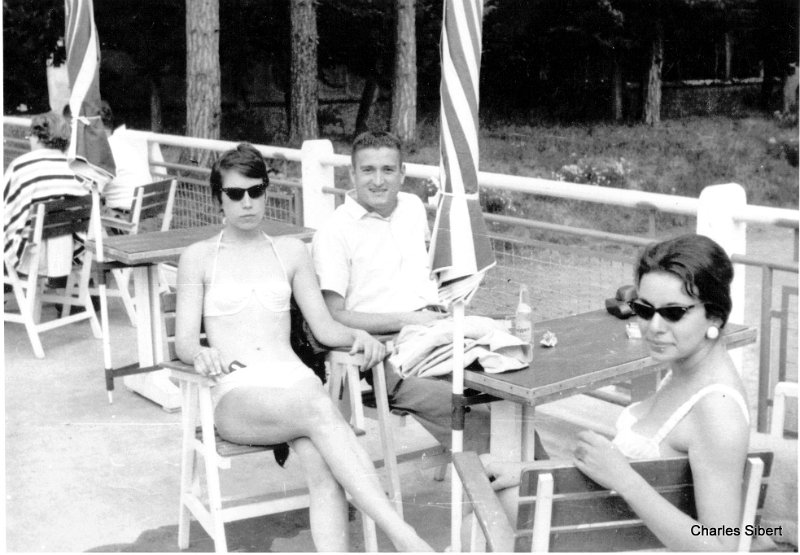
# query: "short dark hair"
700, 263
51, 129
376, 139
243, 159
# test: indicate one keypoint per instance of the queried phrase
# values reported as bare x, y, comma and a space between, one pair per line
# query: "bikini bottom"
275, 375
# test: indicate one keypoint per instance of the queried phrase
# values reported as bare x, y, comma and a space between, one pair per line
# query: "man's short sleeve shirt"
377, 264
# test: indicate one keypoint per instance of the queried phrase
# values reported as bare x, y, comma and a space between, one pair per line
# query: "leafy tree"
31, 34
152, 34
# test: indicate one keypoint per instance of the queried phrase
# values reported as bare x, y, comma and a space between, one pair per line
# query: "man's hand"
374, 351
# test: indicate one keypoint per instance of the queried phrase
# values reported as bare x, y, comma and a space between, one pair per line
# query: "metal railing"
568, 278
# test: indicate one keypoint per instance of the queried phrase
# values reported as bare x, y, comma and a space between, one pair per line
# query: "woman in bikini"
699, 409
239, 284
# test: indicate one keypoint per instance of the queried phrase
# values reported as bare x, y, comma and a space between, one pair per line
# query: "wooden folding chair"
561, 509
204, 445
153, 201
344, 385
781, 392
54, 218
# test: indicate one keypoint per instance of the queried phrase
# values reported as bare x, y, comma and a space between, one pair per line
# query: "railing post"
717, 204
765, 349
317, 206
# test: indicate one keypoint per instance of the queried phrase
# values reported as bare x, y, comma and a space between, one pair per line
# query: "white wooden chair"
344, 383
54, 218
561, 509
204, 445
782, 391
153, 201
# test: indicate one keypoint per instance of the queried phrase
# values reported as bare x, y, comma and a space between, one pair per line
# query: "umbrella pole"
101, 278
458, 422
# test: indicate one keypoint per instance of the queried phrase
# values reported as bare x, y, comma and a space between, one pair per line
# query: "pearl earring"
712, 332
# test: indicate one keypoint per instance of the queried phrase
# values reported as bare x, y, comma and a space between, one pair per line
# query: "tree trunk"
617, 89
203, 95
728, 54
652, 105
369, 95
404, 96
156, 112
303, 72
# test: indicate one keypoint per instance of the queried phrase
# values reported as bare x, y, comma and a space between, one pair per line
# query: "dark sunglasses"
236, 194
671, 313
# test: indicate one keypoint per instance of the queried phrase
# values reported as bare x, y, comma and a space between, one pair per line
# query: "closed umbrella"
460, 249
89, 153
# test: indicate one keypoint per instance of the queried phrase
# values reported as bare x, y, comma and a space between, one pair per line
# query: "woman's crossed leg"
262, 415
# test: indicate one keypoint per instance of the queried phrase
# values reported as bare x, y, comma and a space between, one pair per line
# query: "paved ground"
84, 475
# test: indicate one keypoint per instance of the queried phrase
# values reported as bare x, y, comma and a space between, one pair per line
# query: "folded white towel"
427, 350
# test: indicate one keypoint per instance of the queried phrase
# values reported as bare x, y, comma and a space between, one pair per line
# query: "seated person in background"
133, 168
373, 268
239, 284
699, 409
39, 175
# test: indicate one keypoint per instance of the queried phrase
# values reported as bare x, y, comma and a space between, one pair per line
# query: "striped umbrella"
89, 153
460, 249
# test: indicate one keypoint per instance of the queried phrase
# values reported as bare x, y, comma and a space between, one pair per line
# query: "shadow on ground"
250, 535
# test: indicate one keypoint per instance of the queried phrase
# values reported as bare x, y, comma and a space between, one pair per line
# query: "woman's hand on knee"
374, 351
208, 362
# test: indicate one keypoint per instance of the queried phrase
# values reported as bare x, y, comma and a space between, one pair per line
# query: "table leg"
155, 386
505, 440
528, 433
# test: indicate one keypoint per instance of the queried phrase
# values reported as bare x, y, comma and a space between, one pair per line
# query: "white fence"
721, 211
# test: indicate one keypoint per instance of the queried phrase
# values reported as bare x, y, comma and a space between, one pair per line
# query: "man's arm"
375, 323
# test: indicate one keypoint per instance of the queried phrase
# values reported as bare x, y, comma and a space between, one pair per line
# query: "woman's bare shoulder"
719, 420
290, 248
198, 253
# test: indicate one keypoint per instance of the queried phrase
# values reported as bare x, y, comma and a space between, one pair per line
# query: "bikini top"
637, 446
225, 299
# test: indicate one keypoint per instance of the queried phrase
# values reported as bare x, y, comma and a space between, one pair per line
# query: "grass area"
678, 157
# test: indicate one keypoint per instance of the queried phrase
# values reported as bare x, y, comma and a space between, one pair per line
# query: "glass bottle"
523, 326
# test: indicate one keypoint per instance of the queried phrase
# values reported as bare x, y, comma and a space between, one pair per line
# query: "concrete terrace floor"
86, 475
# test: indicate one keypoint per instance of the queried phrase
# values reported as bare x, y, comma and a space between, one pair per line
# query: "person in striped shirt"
39, 175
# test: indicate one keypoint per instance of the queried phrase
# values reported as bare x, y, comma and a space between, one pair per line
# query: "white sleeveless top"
637, 446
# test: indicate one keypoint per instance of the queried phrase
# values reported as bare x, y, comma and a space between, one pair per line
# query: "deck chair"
345, 387
561, 509
53, 218
153, 201
781, 392
204, 445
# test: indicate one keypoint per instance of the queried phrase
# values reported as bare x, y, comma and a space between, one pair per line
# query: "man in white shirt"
373, 267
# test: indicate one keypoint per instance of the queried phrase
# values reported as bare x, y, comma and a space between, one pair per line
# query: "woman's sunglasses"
671, 313
236, 194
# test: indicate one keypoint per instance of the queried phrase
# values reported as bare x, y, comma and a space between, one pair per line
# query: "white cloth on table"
39, 175
427, 350
133, 168
376, 264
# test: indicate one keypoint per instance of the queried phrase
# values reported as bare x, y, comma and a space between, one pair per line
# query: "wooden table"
143, 252
593, 350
